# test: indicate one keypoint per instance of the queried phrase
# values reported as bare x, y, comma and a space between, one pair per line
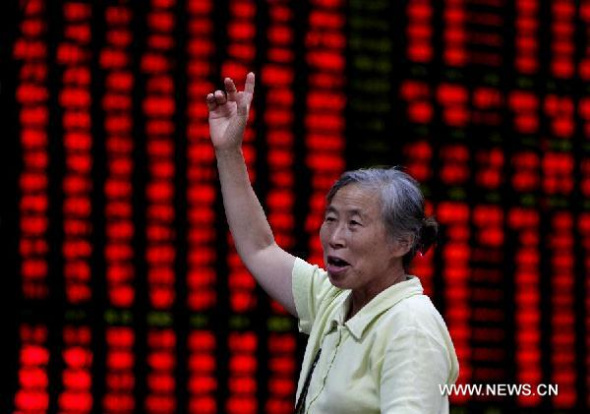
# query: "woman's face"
358, 253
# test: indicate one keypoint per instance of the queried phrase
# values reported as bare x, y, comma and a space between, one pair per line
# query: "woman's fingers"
230, 89
231, 94
220, 97
250, 82
245, 98
211, 104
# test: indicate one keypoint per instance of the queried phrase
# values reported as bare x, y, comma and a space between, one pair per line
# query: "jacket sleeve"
415, 368
311, 287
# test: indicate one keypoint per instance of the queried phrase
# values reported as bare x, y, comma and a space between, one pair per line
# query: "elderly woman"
376, 343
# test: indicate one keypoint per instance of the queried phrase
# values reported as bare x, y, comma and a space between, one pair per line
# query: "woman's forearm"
245, 215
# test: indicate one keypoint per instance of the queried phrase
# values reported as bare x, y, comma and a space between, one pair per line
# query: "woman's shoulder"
417, 313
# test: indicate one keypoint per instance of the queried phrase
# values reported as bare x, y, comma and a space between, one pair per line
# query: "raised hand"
228, 113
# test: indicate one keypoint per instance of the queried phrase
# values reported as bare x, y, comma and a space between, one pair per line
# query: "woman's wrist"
228, 152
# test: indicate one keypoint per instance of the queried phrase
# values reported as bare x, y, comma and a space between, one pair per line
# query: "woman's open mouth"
336, 265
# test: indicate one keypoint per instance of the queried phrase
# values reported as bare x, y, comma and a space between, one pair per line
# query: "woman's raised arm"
270, 265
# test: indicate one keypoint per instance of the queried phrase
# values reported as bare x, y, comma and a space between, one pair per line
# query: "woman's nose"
337, 237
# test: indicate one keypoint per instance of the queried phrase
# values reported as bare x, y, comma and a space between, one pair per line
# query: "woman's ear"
403, 244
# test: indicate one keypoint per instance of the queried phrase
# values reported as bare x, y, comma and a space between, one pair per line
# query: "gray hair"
402, 205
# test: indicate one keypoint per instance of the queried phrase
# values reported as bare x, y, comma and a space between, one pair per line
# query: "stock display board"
131, 297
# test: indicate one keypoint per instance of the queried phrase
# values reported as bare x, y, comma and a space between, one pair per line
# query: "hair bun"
428, 234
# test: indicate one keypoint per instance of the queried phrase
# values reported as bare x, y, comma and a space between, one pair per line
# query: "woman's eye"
354, 223
329, 219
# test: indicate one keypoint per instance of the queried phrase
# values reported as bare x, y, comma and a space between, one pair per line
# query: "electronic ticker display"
131, 295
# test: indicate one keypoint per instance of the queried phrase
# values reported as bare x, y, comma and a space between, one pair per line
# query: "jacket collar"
384, 301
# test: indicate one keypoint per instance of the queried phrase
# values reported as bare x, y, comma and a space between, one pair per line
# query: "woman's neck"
361, 297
